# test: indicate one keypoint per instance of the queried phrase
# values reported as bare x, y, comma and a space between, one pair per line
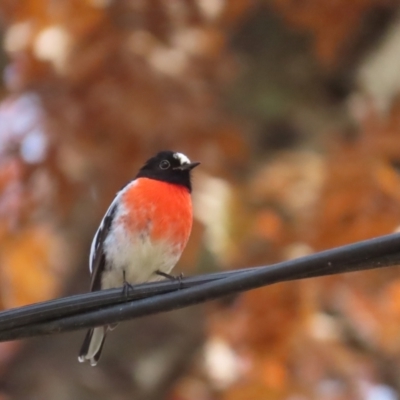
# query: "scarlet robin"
143, 233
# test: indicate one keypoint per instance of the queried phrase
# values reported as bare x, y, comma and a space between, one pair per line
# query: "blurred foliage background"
293, 108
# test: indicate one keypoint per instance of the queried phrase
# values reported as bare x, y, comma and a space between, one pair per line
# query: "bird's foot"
126, 287
172, 277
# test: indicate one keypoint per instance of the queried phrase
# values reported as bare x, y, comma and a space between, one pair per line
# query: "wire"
111, 306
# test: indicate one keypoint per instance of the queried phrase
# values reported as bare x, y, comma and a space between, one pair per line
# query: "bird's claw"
172, 277
126, 287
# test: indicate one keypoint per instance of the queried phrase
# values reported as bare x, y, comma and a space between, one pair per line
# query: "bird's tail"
93, 345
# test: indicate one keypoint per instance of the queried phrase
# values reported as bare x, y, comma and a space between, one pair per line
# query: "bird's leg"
126, 286
172, 277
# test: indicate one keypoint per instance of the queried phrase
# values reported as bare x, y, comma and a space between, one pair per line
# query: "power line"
110, 306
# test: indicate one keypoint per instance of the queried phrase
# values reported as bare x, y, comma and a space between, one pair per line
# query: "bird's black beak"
188, 167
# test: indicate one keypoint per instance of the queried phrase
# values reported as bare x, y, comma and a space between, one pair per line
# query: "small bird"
143, 233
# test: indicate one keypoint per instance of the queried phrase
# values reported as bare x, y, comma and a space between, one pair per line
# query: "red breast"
160, 209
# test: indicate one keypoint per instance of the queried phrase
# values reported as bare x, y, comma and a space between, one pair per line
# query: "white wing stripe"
93, 247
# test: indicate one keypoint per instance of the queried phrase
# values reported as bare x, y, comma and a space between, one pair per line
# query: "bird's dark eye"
164, 164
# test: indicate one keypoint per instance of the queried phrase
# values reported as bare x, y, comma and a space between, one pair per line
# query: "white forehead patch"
182, 158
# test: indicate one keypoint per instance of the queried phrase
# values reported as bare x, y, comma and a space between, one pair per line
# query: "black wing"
97, 256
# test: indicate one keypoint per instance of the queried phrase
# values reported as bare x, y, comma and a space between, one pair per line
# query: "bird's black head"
169, 166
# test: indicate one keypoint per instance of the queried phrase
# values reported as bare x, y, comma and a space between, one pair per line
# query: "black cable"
110, 306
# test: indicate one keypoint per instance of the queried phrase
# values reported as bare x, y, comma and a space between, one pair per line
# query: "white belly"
138, 257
